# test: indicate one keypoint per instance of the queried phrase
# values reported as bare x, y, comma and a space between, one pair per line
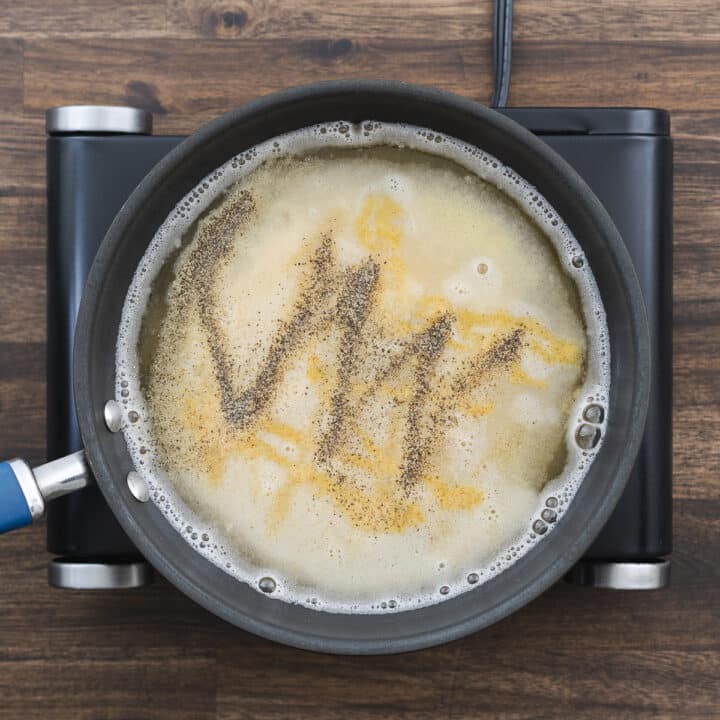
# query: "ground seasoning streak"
501, 355
243, 409
213, 244
353, 308
418, 443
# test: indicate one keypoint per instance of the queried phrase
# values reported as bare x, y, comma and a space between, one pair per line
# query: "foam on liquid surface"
363, 370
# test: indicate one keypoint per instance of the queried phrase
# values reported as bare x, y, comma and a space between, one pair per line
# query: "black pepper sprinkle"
428, 347
353, 307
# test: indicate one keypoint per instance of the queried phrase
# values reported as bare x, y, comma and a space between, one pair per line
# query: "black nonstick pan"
24, 492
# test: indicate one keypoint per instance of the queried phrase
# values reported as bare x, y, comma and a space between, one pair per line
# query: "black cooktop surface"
625, 155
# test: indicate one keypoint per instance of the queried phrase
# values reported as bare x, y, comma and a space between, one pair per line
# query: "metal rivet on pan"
137, 486
113, 415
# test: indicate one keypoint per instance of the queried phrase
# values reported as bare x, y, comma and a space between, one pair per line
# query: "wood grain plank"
615, 21
697, 365
21, 361
535, 20
654, 684
270, 19
115, 689
22, 153
700, 127
22, 226
696, 342
22, 289
22, 417
417, 686
185, 89
614, 73
696, 457
11, 78
347, 19
695, 273
22, 400
83, 17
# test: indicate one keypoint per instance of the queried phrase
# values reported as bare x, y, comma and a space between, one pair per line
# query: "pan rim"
90, 422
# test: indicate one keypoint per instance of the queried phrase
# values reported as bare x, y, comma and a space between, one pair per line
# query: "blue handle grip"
14, 510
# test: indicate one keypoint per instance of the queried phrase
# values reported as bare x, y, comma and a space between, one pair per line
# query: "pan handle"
25, 490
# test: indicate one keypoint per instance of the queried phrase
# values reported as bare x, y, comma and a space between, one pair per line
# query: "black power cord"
502, 51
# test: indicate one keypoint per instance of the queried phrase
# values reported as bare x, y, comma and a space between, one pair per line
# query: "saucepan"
25, 491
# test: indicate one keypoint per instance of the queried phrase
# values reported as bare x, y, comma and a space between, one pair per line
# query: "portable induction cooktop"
95, 158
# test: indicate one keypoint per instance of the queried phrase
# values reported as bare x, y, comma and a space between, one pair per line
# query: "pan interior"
337, 137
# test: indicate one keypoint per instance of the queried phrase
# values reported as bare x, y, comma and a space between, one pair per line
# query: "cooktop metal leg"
647, 575
74, 574
114, 119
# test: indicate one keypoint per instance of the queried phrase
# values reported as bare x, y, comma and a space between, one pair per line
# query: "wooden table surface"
574, 652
